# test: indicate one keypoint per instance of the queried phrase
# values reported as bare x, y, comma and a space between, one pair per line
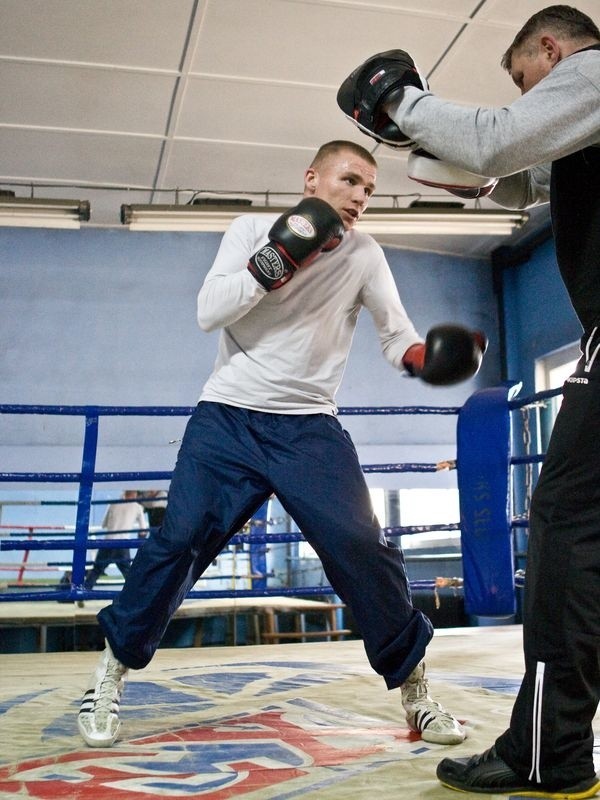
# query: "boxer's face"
345, 181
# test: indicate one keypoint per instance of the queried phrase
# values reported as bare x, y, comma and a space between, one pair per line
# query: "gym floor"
261, 722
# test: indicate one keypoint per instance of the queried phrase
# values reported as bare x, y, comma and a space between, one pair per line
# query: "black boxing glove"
380, 80
295, 240
450, 354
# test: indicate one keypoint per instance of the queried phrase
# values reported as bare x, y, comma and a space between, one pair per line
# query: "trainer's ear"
551, 48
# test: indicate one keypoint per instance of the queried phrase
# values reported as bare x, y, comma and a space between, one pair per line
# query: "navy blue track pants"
231, 460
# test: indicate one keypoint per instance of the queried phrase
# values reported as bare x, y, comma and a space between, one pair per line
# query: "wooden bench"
271, 634
263, 611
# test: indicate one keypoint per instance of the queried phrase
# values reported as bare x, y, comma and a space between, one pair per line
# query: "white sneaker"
98, 719
424, 715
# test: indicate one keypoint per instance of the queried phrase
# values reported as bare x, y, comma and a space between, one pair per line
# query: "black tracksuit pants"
550, 738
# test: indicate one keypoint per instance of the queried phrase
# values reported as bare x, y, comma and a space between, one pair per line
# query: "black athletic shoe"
487, 773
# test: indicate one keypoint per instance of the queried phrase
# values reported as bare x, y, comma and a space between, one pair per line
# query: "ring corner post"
84, 501
258, 549
484, 482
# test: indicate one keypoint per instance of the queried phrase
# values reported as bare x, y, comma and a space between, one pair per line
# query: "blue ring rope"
185, 411
87, 477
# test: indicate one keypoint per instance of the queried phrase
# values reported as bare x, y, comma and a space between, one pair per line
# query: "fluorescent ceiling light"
23, 212
444, 221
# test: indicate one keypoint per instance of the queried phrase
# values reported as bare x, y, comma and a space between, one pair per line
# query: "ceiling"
139, 101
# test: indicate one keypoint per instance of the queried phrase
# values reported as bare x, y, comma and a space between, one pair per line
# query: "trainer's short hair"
337, 146
565, 22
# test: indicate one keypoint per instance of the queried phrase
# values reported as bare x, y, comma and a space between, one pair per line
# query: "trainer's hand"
380, 80
450, 354
295, 240
429, 170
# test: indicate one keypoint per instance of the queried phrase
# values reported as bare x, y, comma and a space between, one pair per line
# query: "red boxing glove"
451, 354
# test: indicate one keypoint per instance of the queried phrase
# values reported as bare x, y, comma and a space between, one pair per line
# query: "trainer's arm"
558, 116
524, 189
229, 290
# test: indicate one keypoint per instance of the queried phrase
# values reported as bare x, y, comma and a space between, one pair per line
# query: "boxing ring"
484, 443
308, 719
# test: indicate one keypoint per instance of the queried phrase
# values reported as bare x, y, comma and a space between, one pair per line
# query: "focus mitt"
432, 171
380, 80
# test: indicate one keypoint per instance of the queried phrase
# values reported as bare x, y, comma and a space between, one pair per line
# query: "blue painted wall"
107, 316
539, 315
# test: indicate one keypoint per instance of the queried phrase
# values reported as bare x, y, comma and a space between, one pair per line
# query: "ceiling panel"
316, 43
515, 14
248, 113
55, 96
46, 156
446, 8
141, 33
223, 94
485, 83
249, 167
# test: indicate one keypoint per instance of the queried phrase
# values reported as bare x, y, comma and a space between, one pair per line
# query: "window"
412, 507
551, 371
429, 507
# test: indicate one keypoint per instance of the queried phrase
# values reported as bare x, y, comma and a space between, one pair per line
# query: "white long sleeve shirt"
285, 351
123, 517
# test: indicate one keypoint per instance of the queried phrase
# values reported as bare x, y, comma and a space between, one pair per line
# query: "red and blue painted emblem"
278, 750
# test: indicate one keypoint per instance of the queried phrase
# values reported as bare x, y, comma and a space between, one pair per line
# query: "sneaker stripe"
89, 702
536, 733
90, 708
423, 719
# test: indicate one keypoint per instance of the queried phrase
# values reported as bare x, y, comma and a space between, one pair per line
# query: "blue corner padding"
483, 471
